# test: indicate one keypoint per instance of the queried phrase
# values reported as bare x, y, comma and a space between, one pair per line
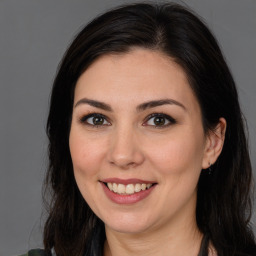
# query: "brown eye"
159, 120
98, 120
95, 120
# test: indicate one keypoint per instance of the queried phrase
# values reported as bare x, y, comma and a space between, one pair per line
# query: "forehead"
139, 74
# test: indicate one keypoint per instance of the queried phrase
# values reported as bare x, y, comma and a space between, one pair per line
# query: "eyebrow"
156, 103
139, 108
94, 103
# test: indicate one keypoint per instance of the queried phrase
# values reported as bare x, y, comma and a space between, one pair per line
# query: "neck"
179, 240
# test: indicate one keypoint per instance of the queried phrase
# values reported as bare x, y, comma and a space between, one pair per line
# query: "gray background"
33, 37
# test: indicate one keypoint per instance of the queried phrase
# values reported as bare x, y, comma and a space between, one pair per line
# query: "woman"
148, 153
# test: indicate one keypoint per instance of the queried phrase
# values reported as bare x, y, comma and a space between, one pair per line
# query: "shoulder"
35, 252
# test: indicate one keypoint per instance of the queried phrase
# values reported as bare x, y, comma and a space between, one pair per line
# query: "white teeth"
137, 188
110, 186
149, 186
128, 189
143, 186
121, 189
115, 187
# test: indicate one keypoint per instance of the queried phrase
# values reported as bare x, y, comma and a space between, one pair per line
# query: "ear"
214, 144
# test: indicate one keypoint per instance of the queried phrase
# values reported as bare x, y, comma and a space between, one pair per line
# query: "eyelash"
161, 115
84, 120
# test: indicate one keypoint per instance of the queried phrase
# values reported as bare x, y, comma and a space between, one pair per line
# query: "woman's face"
137, 142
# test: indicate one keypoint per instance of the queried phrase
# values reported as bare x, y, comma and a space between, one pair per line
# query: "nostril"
123, 162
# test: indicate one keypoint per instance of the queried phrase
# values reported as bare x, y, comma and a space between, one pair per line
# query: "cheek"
178, 154
86, 154
86, 157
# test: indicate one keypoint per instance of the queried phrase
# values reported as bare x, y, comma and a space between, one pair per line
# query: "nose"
125, 151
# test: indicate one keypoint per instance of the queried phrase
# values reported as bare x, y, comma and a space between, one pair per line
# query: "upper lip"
127, 181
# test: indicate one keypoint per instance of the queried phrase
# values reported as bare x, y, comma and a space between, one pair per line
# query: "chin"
128, 229
128, 224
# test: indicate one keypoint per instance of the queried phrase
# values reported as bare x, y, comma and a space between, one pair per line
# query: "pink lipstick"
127, 191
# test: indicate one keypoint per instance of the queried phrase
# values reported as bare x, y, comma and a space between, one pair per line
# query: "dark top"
35, 252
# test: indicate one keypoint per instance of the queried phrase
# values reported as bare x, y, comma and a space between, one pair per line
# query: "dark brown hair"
223, 206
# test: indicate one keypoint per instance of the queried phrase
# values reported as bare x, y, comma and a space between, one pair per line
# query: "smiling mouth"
128, 189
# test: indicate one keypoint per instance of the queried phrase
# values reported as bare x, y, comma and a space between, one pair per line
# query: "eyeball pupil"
98, 120
159, 121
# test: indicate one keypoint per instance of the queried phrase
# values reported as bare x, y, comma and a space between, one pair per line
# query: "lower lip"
127, 199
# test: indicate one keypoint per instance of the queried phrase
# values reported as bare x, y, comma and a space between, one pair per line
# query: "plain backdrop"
33, 37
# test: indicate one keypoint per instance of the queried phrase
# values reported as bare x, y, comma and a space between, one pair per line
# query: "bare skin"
136, 117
